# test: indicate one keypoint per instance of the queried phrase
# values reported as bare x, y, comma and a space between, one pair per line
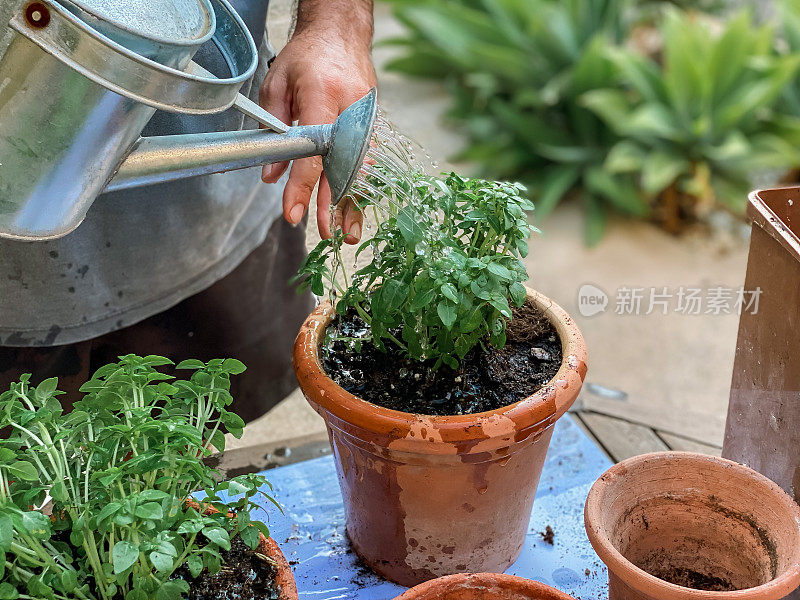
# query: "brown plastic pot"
427, 496
284, 577
689, 515
763, 428
482, 586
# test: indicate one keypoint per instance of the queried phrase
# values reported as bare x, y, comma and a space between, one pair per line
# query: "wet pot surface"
427, 496
680, 525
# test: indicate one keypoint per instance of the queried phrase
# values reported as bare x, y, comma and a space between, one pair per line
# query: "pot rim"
181, 42
764, 216
638, 578
508, 582
548, 404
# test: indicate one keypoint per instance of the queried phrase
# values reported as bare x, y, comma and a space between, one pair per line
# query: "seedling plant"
118, 469
446, 265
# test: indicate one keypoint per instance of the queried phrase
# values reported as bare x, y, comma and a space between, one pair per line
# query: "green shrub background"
564, 97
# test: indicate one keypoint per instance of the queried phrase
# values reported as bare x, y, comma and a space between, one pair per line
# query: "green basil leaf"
8, 591
36, 524
69, 581
233, 366
123, 556
449, 291
6, 533
218, 536
250, 536
174, 589
447, 313
195, 564
235, 488
59, 492
408, 226
190, 527
23, 470
149, 510
162, 562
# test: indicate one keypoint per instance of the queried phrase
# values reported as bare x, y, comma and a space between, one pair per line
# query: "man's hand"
324, 68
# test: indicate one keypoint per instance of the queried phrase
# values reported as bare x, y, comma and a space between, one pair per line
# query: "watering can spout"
342, 145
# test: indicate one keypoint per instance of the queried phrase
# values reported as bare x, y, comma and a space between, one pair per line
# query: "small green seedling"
119, 469
446, 265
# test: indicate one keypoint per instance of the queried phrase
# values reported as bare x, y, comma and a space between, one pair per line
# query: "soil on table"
486, 379
548, 535
244, 576
693, 579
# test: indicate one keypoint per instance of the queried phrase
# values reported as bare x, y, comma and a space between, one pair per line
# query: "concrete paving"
670, 372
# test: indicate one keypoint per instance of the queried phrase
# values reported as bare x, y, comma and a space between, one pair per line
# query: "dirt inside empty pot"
674, 525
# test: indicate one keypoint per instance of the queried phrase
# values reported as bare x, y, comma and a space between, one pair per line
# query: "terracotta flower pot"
427, 496
763, 428
482, 586
284, 577
699, 521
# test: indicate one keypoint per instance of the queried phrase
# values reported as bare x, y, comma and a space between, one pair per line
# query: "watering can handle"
100, 59
246, 106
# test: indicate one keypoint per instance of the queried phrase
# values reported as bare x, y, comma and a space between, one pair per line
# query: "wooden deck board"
705, 428
676, 442
252, 459
622, 439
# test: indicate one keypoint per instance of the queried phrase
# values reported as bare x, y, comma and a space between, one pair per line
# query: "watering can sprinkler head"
349, 143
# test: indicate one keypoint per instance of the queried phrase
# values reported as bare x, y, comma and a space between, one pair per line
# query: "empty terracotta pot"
684, 526
482, 586
427, 496
763, 430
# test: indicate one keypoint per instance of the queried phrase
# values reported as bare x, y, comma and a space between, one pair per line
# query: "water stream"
385, 184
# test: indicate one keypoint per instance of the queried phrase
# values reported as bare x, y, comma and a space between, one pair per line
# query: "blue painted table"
311, 532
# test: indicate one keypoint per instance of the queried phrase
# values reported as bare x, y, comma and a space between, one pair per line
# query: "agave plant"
517, 70
697, 126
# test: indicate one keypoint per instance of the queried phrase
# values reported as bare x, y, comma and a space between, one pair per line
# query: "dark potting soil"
485, 380
244, 576
694, 579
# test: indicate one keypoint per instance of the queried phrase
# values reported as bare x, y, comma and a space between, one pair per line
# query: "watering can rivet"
37, 15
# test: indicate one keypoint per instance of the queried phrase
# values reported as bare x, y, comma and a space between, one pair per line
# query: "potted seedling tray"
118, 471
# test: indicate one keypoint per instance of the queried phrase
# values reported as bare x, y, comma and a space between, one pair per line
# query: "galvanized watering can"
81, 78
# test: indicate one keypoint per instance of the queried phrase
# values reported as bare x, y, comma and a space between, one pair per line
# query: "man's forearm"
351, 17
